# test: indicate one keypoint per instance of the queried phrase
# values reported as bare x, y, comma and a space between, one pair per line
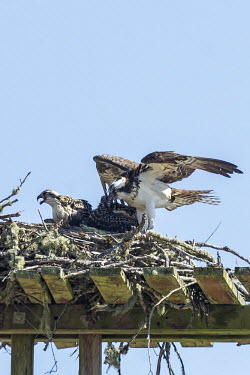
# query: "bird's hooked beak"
41, 196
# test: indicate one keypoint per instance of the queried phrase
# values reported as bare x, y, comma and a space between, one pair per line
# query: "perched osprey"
108, 216
66, 210
146, 186
113, 217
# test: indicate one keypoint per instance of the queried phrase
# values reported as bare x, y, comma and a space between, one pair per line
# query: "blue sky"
128, 78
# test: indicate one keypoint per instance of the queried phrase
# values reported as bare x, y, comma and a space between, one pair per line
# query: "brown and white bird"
108, 216
66, 210
145, 186
110, 167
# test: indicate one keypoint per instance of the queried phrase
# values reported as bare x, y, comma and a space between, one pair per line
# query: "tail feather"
180, 197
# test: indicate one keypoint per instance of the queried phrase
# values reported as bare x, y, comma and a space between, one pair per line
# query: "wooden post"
90, 354
22, 354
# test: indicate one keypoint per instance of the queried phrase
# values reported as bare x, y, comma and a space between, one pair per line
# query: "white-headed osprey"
110, 167
66, 210
145, 186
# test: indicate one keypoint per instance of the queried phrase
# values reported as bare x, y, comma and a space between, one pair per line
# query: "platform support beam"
90, 354
22, 354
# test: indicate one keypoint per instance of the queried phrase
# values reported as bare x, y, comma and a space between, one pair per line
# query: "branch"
8, 216
185, 246
224, 248
16, 190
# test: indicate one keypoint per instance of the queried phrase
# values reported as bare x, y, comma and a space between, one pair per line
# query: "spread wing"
170, 167
181, 197
110, 167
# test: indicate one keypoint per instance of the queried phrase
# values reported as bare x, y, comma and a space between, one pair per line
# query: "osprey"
108, 216
113, 217
110, 167
66, 210
146, 185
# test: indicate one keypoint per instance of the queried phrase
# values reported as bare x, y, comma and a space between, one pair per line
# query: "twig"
55, 362
16, 190
152, 312
127, 239
213, 232
225, 248
179, 357
8, 216
45, 227
186, 246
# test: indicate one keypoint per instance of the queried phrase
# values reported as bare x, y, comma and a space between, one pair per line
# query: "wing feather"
171, 167
110, 167
181, 197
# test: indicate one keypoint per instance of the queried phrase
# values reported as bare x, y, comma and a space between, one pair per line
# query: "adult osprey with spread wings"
145, 186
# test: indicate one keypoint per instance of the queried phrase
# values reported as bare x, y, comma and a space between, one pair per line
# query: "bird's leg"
139, 214
150, 211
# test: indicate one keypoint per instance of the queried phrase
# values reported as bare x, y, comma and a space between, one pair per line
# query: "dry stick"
4, 217
45, 227
142, 325
167, 357
16, 190
164, 348
225, 248
187, 246
158, 370
151, 315
179, 357
55, 362
126, 239
213, 232
8, 204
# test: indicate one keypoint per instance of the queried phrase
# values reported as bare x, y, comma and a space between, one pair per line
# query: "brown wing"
110, 167
181, 197
170, 167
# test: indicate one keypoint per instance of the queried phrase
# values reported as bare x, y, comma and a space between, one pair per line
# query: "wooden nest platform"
58, 283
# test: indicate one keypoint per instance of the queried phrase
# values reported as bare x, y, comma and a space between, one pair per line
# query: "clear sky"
127, 78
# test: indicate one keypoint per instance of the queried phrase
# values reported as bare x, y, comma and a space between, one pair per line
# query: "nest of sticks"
78, 249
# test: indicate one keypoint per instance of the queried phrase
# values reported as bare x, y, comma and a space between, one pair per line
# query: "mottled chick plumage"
113, 217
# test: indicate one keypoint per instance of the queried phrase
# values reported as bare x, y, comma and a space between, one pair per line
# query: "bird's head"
48, 196
117, 188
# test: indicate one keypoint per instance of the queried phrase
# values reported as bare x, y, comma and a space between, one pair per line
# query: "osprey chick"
146, 186
113, 217
66, 210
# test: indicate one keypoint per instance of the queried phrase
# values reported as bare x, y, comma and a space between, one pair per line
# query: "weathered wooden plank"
217, 286
143, 344
112, 284
90, 355
32, 284
22, 354
229, 323
65, 344
196, 344
164, 280
243, 274
59, 287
